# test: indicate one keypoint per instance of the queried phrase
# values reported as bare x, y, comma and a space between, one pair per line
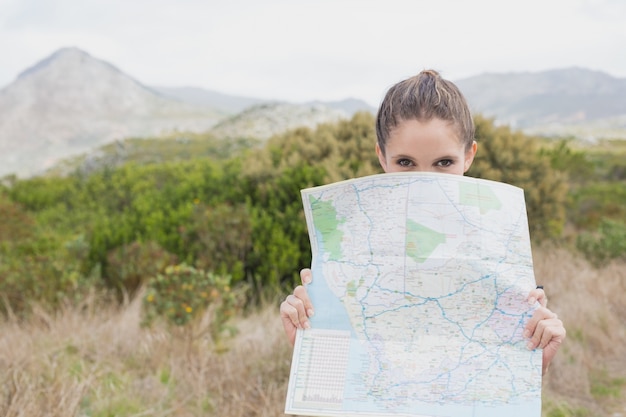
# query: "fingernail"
530, 345
306, 279
310, 312
532, 300
307, 325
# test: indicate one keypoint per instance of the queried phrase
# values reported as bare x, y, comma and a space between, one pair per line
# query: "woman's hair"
424, 97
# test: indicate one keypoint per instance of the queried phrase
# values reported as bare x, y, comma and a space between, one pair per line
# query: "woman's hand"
297, 308
544, 330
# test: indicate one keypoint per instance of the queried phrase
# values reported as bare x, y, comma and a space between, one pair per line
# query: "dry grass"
589, 373
95, 360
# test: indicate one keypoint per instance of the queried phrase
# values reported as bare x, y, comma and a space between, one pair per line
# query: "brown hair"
423, 97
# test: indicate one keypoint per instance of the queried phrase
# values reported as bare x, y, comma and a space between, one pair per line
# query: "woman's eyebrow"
447, 157
402, 156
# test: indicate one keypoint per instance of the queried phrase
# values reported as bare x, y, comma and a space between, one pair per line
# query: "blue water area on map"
330, 312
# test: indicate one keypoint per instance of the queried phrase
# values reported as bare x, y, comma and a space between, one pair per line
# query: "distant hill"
349, 105
569, 101
235, 104
264, 120
207, 98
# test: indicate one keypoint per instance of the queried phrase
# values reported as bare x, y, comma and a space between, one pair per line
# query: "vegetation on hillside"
195, 229
232, 213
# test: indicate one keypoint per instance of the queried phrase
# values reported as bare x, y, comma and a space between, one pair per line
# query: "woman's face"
431, 146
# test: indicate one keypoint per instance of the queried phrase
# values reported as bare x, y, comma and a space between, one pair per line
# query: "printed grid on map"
323, 380
419, 287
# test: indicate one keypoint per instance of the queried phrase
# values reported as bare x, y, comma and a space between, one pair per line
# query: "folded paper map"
419, 286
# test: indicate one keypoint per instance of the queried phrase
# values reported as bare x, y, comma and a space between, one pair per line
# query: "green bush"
280, 243
219, 238
15, 223
592, 202
43, 270
182, 293
607, 243
130, 266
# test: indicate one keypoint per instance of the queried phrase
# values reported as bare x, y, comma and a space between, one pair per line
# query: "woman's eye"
444, 163
405, 162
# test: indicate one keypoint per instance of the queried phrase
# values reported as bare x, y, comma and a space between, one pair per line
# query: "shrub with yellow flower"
182, 293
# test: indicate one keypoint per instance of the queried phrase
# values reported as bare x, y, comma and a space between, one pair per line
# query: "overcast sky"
300, 50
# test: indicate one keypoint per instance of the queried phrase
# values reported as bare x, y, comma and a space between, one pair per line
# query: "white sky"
299, 50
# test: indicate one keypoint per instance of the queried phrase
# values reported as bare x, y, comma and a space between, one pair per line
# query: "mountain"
569, 101
71, 102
